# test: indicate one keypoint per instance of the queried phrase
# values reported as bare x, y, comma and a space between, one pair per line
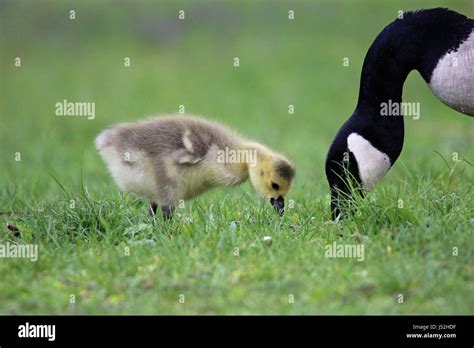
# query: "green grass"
114, 259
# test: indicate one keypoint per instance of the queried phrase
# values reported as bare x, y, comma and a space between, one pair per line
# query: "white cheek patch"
452, 81
372, 163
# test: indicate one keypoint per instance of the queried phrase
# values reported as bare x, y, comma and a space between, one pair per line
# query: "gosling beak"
278, 204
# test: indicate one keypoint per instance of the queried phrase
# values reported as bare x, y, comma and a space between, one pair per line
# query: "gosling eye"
275, 186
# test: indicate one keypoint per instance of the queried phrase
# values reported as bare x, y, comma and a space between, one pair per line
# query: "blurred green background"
190, 62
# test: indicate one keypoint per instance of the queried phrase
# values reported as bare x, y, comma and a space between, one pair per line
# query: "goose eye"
275, 186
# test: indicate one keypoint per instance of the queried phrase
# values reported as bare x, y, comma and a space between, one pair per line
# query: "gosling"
172, 158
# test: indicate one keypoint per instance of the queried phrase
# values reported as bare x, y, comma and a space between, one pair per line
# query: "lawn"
99, 251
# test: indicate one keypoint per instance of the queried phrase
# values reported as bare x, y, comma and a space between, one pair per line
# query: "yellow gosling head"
272, 176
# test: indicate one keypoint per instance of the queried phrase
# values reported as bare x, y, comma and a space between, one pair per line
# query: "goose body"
452, 80
439, 44
173, 158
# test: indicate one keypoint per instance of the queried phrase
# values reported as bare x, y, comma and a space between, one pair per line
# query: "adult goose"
439, 44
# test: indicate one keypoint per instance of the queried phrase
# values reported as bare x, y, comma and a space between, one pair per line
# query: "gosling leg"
167, 211
152, 208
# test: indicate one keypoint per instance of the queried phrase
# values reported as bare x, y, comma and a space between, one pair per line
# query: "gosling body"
172, 158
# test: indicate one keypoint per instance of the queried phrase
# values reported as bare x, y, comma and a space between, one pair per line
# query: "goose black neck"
383, 73
414, 42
